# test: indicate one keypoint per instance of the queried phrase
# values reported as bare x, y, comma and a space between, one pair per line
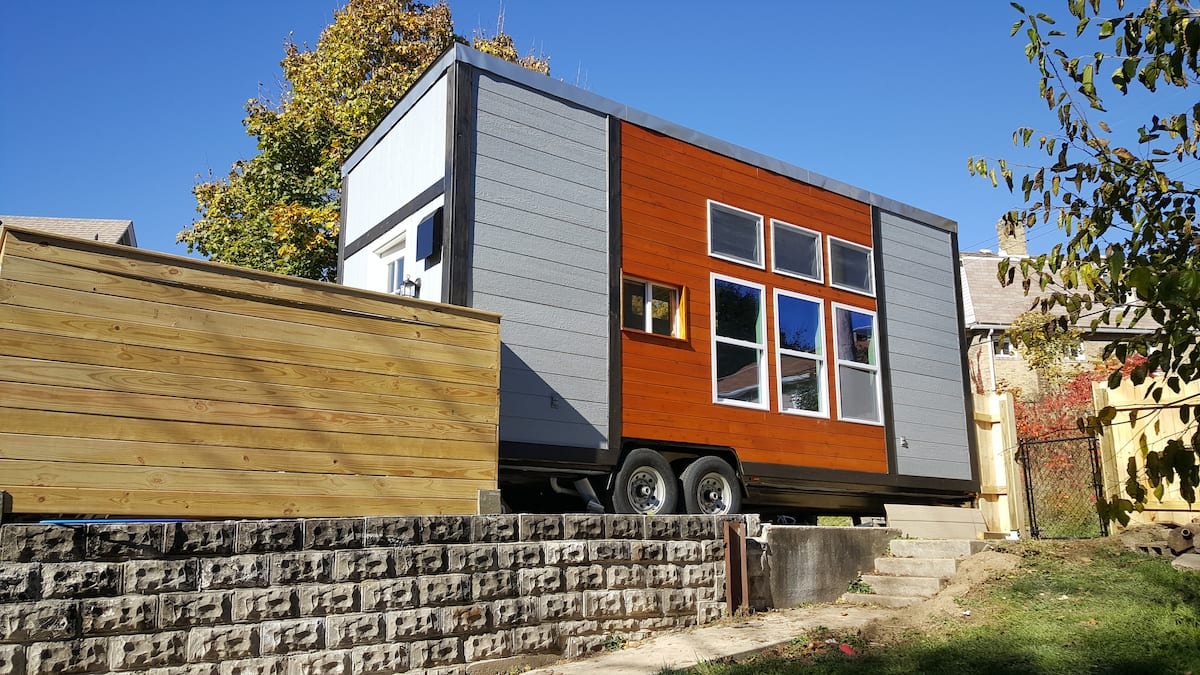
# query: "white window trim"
647, 299
822, 363
838, 362
761, 264
392, 250
830, 239
999, 351
763, 383
820, 278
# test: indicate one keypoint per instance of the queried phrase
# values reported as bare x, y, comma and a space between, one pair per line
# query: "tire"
711, 488
645, 484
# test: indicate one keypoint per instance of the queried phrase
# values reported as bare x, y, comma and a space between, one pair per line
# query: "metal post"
737, 581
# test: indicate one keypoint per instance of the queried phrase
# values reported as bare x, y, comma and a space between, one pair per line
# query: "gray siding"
539, 256
923, 349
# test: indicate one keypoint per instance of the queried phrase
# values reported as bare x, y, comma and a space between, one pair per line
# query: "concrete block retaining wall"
355, 595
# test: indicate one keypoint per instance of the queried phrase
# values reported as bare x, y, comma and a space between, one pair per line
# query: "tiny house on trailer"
687, 325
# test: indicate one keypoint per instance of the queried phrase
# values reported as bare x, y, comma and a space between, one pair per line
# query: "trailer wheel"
710, 487
645, 484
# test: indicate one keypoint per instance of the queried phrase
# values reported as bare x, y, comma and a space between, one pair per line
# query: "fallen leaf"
847, 650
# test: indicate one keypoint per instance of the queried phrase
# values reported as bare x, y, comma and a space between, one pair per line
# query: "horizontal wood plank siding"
137, 383
923, 345
539, 256
667, 383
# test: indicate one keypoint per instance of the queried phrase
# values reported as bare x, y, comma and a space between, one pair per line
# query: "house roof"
586, 99
95, 229
988, 305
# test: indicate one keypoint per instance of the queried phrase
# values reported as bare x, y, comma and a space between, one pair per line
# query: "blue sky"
113, 109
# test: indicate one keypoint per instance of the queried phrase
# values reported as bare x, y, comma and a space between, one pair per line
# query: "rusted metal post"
737, 582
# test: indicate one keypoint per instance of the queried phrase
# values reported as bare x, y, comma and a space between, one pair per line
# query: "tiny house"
688, 326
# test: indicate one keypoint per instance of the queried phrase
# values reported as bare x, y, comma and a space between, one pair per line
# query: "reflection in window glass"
856, 336
737, 373
635, 305
739, 343
857, 394
650, 307
799, 324
801, 383
797, 251
801, 353
857, 366
739, 311
735, 234
850, 266
662, 309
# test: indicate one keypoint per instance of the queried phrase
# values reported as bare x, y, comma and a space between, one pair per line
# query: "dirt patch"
928, 616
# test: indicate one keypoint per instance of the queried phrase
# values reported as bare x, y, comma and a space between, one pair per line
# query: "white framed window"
851, 266
1005, 347
735, 235
739, 343
859, 390
650, 307
800, 354
395, 275
796, 252
391, 254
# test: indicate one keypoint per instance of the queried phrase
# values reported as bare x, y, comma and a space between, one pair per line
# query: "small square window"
735, 235
1005, 347
851, 267
650, 307
796, 251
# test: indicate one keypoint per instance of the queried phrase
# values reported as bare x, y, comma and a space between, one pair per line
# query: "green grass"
1073, 607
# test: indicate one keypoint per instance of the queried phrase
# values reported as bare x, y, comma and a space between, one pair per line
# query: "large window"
734, 234
859, 392
796, 251
800, 329
851, 267
739, 343
650, 307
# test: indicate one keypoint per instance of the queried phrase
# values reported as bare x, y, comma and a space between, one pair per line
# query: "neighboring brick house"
96, 229
989, 309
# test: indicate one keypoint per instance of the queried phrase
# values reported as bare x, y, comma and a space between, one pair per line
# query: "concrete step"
880, 600
917, 567
936, 548
905, 586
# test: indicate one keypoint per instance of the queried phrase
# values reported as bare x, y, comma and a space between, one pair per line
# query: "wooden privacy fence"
1138, 417
141, 383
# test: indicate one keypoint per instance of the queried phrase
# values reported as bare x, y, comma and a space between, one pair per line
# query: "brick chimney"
1012, 240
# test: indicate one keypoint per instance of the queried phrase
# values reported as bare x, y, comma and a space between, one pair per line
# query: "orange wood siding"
667, 386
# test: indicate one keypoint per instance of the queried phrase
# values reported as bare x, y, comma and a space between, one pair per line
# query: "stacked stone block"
353, 595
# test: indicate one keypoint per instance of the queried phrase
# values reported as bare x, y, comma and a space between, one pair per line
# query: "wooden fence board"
121, 404
137, 383
81, 351
101, 476
45, 273
203, 435
86, 376
247, 331
178, 270
95, 329
120, 502
139, 454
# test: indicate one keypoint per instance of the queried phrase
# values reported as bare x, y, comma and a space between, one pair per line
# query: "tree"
278, 211
1046, 342
1125, 198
